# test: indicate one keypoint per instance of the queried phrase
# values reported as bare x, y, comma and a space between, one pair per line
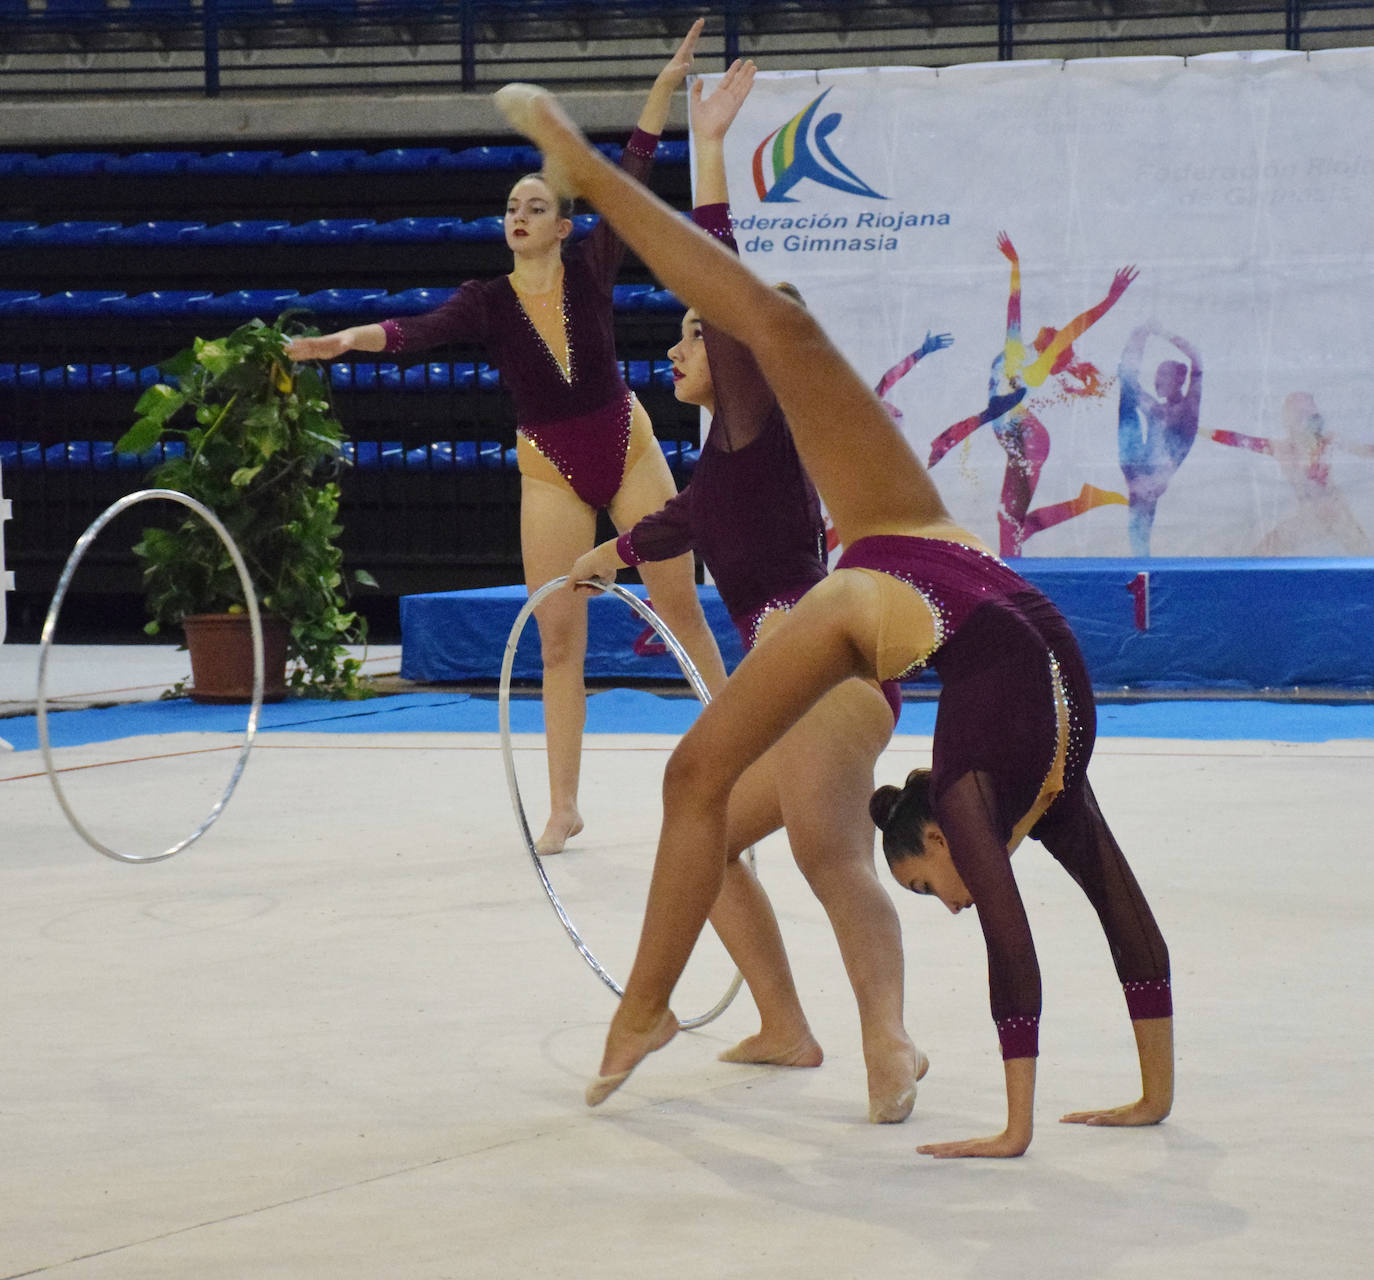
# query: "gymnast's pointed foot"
536, 113
560, 828
625, 1050
892, 1084
771, 1051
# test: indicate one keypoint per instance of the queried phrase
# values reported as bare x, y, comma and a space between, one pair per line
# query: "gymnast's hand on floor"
1140, 1112
1004, 1146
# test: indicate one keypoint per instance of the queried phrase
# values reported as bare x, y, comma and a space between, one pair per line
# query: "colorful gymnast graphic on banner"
1149, 217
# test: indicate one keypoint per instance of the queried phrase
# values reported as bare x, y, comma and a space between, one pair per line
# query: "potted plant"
261, 448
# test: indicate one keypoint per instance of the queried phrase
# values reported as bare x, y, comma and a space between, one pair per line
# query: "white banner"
1202, 231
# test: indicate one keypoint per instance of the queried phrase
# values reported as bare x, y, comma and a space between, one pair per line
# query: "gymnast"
583, 441
753, 514
1015, 726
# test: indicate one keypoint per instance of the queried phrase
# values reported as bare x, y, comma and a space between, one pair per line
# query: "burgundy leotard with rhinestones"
999, 645
751, 510
580, 422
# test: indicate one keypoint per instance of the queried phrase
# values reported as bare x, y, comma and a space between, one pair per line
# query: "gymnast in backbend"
1015, 725
584, 442
753, 515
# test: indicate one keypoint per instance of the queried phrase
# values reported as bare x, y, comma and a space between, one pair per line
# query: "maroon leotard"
750, 510
999, 642
581, 422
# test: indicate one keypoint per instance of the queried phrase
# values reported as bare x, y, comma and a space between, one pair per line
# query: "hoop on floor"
693, 677
50, 625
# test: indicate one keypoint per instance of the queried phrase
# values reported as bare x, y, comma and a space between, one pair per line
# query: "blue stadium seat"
403, 230
370, 455
69, 164
343, 302
673, 152
681, 455
515, 159
326, 231
76, 11
246, 304
15, 162
661, 300
91, 377
73, 234
363, 376
24, 376
489, 230
464, 455
20, 453
403, 160
630, 297
15, 232
163, 304
341, 160
411, 302
17, 302
245, 232
649, 373
234, 162
163, 232
78, 302
155, 163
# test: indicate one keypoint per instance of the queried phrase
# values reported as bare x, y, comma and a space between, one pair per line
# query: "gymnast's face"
691, 369
532, 222
931, 871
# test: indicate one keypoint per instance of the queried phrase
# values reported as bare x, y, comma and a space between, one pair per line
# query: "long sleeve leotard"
750, 511
1013, 735
579, 420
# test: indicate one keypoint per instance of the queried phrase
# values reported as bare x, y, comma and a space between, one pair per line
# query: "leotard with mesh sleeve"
1009, 668
750, 511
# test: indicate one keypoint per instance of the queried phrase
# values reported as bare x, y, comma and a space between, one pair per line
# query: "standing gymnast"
1015, 726
754, 516
584, 441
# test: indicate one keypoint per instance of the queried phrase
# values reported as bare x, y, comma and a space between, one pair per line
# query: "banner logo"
798, 150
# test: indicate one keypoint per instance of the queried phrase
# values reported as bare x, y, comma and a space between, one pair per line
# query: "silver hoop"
50, 625
693, 678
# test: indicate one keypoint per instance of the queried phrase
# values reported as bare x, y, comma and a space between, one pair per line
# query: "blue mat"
633, 711
1164, 624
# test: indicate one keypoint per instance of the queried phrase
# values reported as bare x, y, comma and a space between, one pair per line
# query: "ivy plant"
261, 448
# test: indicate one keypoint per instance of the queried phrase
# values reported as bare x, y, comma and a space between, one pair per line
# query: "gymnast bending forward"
753, 515
584, 441
912, 588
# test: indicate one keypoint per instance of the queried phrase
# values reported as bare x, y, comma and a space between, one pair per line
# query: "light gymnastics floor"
344, 1035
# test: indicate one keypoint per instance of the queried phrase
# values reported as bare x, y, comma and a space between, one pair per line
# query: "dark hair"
901, 815
567, 205
791, 290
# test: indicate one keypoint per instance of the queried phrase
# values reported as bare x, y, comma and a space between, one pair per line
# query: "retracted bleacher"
114, 261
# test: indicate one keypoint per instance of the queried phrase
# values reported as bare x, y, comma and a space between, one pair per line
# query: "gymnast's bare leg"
879, 489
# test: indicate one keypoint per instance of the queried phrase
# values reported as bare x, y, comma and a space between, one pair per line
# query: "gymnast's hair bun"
882, 804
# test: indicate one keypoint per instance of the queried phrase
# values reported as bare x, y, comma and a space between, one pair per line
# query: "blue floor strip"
634, 711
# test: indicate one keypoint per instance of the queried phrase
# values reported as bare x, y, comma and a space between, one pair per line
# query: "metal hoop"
693, 678
50, 624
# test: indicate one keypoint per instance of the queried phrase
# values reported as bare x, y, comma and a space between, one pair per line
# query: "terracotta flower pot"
221, 646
